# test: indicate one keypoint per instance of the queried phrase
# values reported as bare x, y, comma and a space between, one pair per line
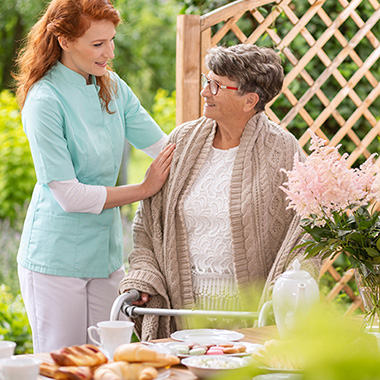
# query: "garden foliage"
14, 323
17, 176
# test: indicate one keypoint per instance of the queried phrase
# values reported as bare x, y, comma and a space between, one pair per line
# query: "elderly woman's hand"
144, 298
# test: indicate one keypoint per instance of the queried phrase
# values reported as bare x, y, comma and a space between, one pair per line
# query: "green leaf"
372, 252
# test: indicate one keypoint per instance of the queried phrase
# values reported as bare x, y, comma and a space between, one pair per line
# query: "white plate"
250, 348
279, 376
163, 374
207, 335
283, 370
201, 370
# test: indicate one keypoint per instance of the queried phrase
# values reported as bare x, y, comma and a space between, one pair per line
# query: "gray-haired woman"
220, 225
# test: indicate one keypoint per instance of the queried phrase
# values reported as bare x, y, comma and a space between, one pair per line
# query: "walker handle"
127, 297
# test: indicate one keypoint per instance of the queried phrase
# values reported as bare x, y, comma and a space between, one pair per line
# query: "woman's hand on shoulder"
158, 171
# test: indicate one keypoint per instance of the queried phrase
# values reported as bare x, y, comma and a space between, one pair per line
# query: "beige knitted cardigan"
263, 231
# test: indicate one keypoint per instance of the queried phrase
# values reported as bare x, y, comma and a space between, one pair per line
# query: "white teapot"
294, 294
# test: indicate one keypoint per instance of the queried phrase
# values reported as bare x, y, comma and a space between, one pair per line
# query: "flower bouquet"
337, 205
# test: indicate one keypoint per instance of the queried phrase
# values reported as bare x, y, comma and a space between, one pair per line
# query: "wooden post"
188, 68
205, 45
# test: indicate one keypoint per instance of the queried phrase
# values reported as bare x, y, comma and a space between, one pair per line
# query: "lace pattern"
206, 210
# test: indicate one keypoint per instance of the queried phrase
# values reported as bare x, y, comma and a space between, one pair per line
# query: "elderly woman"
220, 225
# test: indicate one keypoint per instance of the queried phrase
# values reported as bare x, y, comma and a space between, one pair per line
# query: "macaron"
215, 351
197, 351
181, 349
230, 350
241, 347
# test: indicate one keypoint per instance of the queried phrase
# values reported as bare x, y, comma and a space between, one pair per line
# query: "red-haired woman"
76, 114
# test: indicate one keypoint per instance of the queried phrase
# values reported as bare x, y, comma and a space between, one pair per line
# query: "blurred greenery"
16, 18
146, 46
17, 176
14, 323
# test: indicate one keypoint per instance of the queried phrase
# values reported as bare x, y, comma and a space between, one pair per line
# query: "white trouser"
60, 309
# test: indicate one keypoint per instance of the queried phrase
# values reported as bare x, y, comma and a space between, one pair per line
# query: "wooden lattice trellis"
332, 72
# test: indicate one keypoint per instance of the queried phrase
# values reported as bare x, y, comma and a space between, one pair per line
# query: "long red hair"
66, 18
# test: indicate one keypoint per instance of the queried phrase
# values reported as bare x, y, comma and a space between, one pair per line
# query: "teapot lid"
296, 273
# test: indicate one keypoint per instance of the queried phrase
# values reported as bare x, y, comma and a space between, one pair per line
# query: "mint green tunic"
72, 136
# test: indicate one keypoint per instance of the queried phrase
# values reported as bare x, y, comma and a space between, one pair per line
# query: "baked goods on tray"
131, 362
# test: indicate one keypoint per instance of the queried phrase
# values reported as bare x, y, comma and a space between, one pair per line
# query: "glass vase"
368, 283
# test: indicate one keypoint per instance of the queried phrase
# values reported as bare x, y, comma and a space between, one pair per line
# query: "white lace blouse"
206, 210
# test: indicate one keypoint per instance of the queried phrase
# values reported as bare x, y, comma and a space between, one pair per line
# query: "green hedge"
14, 323
17, 176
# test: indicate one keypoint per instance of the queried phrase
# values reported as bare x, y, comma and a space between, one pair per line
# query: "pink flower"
324, 183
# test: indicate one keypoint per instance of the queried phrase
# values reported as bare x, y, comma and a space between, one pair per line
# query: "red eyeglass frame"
206, 81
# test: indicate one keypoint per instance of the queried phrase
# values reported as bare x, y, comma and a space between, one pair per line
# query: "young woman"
77, 113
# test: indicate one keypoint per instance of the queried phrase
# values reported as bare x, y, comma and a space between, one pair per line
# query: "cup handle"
90, 330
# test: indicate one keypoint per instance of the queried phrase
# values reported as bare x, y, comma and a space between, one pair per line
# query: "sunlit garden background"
145, 59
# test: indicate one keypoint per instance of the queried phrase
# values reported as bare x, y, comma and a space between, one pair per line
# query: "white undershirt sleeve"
74, 196
153, 150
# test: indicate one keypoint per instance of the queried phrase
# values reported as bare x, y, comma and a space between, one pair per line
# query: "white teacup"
19, 368
7, 348
112, 334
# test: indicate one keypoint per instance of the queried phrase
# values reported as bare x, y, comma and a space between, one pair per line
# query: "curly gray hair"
255, 69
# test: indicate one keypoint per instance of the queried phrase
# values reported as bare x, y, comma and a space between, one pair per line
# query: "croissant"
124, 371
138, 353
85, 355
54, 371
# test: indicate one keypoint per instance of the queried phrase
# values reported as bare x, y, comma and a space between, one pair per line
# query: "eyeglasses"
214, 86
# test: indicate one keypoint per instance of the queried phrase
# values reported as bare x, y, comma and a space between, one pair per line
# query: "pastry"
54, 371
125, 371
85, 355
133, 353
48, 369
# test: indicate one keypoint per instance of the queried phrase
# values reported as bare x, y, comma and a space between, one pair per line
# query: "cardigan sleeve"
287, 252
144, 274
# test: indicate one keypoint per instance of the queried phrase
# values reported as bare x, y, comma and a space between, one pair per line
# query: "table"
179, 372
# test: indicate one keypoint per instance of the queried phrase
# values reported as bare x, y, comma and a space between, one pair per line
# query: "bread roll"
124, 371
136, 353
